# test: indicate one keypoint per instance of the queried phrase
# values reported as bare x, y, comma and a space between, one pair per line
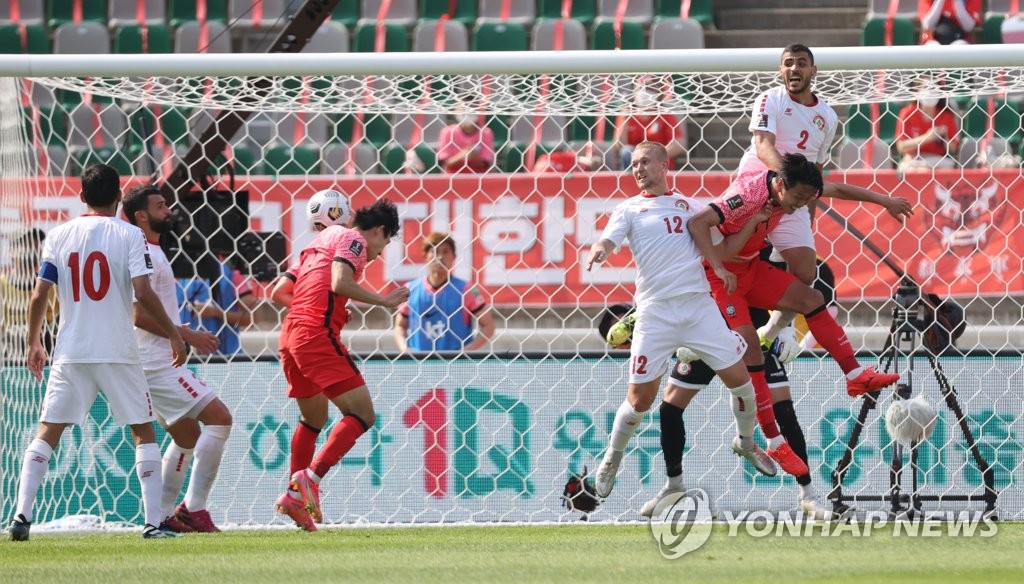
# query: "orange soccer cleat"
310, 493
294, 508
788, 460
869, 380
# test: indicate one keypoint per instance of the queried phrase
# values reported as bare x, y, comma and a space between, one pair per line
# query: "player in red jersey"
746, 280
315, 362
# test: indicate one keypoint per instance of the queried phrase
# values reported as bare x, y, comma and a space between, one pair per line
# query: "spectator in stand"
927, 133
948, 22
652, 126
223, 308
564, 160
466, 145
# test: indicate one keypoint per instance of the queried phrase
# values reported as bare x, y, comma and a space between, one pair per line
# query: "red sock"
343, 437
830, 335
765, 410
303, 447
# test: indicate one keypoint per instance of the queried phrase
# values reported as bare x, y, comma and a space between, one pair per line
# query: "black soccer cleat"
19, 528
153, 532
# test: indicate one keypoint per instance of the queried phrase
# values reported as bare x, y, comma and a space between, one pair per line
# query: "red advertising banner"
523, 238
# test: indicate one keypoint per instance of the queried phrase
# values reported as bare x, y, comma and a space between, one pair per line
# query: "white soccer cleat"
604, 479
813, 509
757, 457
648, 509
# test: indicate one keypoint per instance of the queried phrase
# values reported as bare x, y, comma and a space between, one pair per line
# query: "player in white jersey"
97, 262
788, 119
181, 399
674, 308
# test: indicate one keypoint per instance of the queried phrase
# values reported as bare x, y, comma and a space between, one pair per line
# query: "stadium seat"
465, 11
994, 148
513, 157
128, 39
523, 12
440, 35
404, 128
83, 38
314, 129
396, 38
182, 11
36, 39
582, 10
1006, 125
559, 35
489, 35
171, 125
63, 11
602, 35
858, 121
677, 34
349, 158
700, 10
243, 160
584, 128
401, 12
880, 8
259, 15
603, 150
30, 12
186, 38
287, 159
992, 29
552, 129
331, 37
51, 126
124, 12
902, 32
346, 13
852, 154
57, 161
636, 10
499, 125
85, 156
393, 158
376, 129
98, 124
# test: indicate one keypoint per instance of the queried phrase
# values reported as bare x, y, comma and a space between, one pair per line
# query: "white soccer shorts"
792, 231
177, 393
690, 320
72, 388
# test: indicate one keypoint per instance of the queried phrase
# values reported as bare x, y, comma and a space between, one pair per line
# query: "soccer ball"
328, 207
910, 420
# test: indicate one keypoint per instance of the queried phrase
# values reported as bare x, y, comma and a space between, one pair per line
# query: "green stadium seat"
582, 10
392, 158
512, 157
602, 35
111, 155
173, 125
499, 36
62, 11
500, 126
292, 160
346, 12
700, 10
128, 39
902, 32
583, 128
992, 29
396, 37
465, 10
36, 41
181, 11
858, 122
1007, 123
244, 162
52, 126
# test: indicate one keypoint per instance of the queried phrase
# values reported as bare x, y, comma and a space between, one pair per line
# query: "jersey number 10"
84, 276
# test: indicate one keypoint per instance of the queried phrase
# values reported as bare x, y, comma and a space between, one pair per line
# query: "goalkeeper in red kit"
318, 367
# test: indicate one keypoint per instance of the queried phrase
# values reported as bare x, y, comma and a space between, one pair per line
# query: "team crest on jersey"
734, 202
683, 205
819, 122
684, 369
730, 310
356, 248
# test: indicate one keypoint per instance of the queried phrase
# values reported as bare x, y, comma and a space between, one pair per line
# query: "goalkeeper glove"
622, 331
785, 347
686, 355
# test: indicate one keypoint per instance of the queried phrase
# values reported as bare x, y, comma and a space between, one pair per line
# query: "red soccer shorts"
315, 361
758, 284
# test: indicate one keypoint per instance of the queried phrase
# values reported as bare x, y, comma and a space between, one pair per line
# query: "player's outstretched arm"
35, 358
599, 252
700, 226
764, 144
146, 298
343, 282
284, 290
898, 207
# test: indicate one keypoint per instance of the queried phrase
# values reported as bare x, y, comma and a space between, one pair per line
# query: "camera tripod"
909, 320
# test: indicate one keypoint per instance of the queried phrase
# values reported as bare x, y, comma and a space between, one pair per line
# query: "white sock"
807, 491
853, 374
626, 421
147, 467
175, 467
313, 476
744, 408
778, 320
209, 451
774, 443
33, 469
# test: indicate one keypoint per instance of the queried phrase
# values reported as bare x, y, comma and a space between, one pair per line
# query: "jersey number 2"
84, 276
804, 137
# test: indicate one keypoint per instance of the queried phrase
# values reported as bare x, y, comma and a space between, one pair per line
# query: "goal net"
524, 187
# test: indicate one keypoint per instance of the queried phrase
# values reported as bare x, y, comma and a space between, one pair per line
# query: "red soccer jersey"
913, 122
663, 129
745, 197
313, 302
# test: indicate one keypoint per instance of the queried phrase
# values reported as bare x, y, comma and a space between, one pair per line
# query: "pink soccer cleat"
294, 508
310, 493
788, 460
196, 520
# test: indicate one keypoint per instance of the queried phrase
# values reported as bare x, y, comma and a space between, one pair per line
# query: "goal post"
492, 436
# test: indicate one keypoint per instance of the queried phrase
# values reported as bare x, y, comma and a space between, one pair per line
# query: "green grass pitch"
482, 555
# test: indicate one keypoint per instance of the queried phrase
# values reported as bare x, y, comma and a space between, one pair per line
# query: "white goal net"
492, 435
